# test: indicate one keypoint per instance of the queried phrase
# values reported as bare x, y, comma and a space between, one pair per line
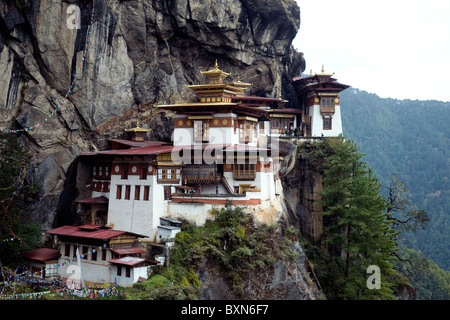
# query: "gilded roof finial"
323, 70
216, 65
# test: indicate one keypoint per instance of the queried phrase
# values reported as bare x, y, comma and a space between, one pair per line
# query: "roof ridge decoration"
215, 75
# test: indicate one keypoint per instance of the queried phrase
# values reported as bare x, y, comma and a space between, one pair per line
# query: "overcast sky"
394, 48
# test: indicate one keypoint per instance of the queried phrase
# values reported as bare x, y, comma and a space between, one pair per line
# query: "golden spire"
323, 73
215, 75
137, 129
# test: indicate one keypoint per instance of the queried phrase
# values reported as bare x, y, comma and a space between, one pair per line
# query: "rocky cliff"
140, 53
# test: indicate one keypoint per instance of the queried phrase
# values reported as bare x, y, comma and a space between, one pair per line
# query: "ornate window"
168, 175
244, 171
327, 105
201, 131
281, 125
246, 131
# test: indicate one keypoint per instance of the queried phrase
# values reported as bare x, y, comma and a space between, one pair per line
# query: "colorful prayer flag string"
58, 107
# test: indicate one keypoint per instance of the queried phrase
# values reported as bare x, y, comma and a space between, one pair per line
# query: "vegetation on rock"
231, 240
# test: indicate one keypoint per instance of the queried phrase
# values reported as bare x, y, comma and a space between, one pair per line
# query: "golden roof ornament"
241, 84
137, 129
215, 75
323, 73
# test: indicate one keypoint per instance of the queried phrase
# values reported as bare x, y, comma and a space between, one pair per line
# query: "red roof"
90, 232
130, 143
286, 110
148, 150
42, 254
97, 200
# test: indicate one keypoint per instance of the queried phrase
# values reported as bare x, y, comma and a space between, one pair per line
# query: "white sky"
396, 48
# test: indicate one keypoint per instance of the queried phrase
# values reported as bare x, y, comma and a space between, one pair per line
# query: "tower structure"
318, 96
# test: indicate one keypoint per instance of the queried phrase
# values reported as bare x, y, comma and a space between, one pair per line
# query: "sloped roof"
90, 232
42, 254
96, 200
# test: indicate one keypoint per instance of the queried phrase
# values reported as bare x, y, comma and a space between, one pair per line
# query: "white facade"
96, 268
91, 270
138, 216
317, 122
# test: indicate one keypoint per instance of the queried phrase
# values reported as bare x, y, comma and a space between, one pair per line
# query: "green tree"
405, 216
357, 231
14, 161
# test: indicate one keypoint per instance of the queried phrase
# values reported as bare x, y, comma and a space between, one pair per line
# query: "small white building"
42, 262
168, 229
97, 254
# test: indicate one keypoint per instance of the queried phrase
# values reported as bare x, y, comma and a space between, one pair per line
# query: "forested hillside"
410, 139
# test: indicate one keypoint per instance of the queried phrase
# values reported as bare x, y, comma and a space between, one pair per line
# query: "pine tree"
356, 229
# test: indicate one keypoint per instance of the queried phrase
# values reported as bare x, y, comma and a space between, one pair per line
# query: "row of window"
244, 172
84, 250
137, 192
166, 174
93, 257
101, 171
100, 186
142, 173
247, 131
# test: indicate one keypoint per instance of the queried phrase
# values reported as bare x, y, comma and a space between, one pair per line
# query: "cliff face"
140, 53
287, 279
302, 183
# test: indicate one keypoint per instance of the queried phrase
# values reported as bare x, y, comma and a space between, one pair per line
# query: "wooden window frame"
168, 175
327, 105
67, 248
167, 192
327, 123
244, 171
119, 192
146, 196
127, 192
137, 192
201, 131
94, 255
84, 252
